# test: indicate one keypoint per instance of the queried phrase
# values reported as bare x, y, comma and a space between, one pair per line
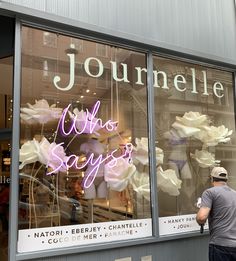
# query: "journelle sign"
179, 80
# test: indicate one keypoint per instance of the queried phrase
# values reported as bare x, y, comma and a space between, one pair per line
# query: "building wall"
194, 249
199, 27
204, 28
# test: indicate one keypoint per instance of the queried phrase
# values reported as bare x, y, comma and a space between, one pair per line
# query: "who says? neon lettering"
95, 162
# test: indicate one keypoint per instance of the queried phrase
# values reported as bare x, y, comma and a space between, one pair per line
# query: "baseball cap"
219, 172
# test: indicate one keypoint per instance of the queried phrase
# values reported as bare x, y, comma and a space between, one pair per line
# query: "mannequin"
178, 159
98, 188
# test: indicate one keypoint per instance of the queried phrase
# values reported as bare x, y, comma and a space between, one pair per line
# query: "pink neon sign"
95, 162
90, 123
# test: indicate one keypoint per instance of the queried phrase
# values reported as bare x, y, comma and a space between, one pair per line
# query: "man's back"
222, 218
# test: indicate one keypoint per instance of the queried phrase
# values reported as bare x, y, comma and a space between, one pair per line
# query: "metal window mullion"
152, 138
234, 93
14, 191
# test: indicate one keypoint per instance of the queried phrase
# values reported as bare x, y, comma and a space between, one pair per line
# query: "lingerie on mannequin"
178, 159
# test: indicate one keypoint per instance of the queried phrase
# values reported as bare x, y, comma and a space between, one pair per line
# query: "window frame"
63, 26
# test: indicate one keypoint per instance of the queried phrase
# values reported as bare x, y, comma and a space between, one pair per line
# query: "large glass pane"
195, 126
84, 164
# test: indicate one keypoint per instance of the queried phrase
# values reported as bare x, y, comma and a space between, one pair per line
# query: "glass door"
6, 83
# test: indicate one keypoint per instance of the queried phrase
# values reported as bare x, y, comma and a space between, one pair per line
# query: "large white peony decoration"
40, 112
29, 153
168, 181
196, 125
204, 158
118, 176
141, 152
190, 124
44, 152
214, 135
141, 184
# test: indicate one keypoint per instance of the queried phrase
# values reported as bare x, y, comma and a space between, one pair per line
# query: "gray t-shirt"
222, 218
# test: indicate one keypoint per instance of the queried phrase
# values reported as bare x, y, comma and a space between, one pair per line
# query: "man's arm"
202, 215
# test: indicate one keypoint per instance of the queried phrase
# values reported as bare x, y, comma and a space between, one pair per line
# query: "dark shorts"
222, 253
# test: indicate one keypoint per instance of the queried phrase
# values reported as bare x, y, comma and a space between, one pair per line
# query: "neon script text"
89, 123
92, 161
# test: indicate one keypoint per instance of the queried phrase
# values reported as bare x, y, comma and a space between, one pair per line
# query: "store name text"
179, 80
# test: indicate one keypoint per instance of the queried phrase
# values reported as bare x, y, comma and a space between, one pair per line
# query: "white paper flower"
40, 112
141, 152
84, 121
118, 176
193, 119
29, 153
190, 124
168, 182
43, 152
140, 183
204, 158
214, 135
52, 155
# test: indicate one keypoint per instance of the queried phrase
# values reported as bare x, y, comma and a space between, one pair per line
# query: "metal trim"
14, 191
152, 138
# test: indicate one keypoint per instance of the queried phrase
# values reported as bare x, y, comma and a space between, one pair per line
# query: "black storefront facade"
107, 140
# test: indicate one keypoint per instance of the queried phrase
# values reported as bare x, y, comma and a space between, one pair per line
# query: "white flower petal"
168, 182
191, 123
204, 158
141, 153
29, 153
140, 183
214, 135
44, 152
118, 176
40, 112
185, 131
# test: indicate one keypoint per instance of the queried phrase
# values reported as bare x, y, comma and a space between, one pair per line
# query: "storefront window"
84, 164
195, 128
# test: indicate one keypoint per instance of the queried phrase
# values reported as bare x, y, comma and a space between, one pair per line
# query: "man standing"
218, 205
